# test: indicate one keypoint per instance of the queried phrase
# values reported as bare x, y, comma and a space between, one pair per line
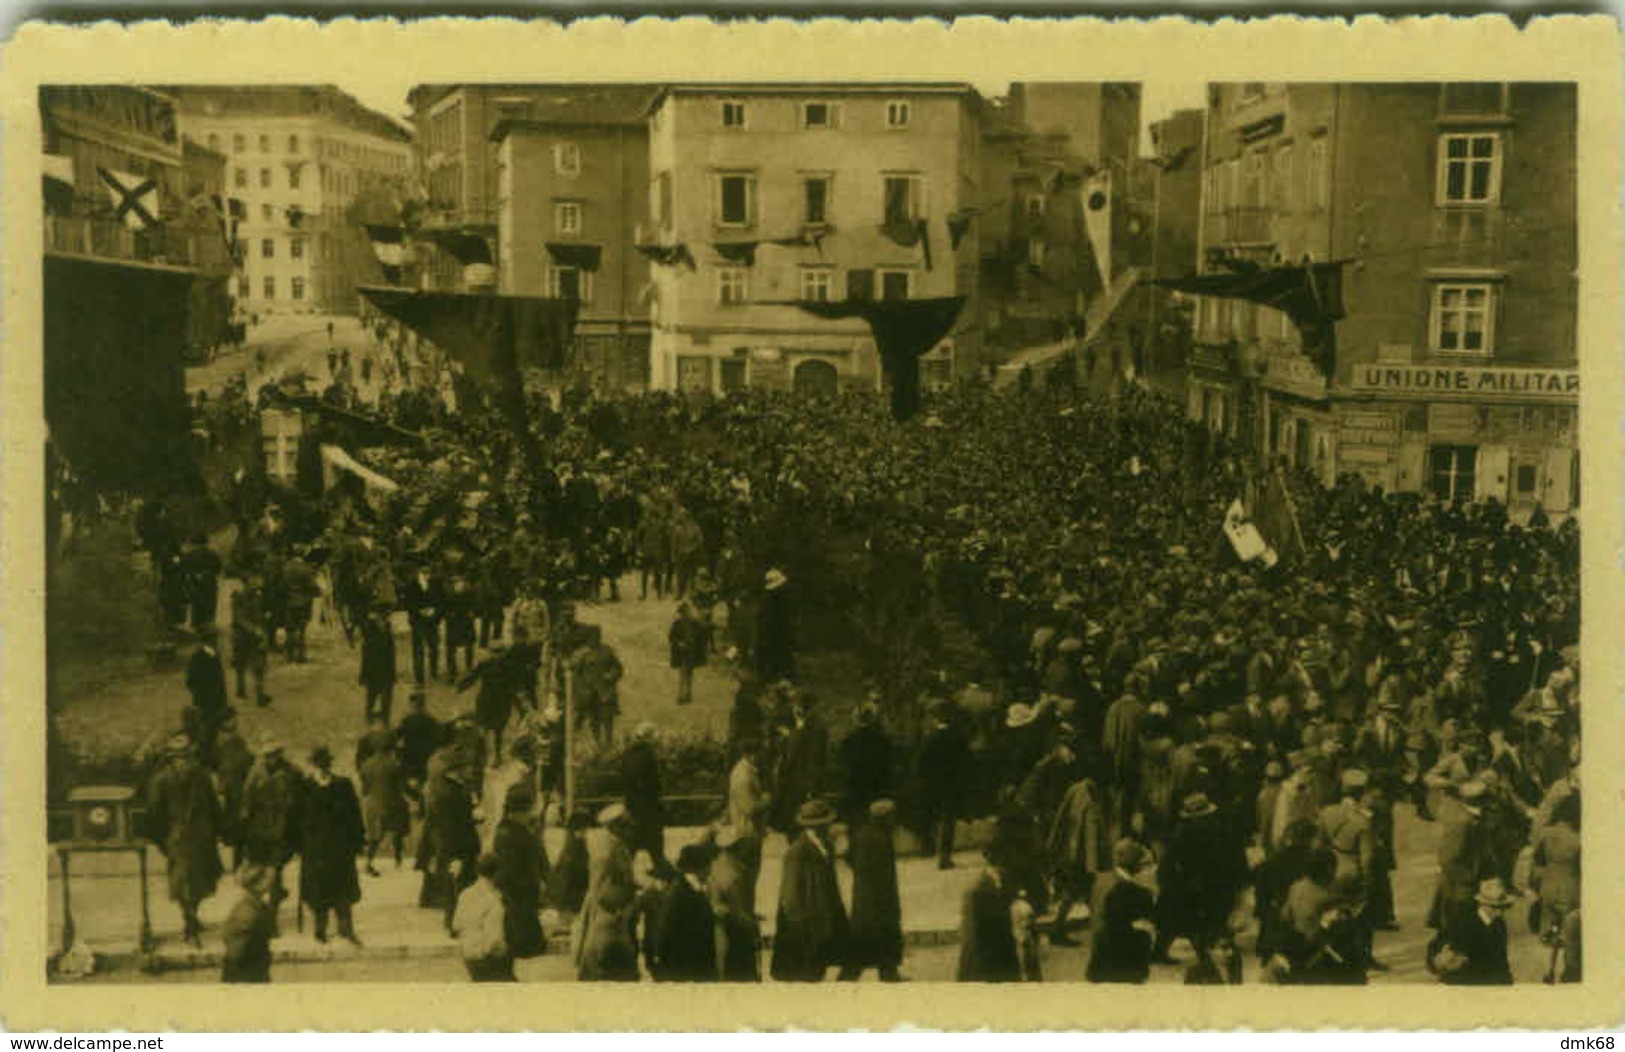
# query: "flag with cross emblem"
134, 197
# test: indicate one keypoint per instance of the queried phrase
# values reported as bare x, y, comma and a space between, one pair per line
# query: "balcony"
1250, 225
198, 248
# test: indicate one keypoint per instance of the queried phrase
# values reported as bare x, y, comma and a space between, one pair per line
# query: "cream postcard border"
1580, 49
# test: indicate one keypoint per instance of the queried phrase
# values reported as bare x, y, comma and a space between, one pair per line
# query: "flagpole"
1291, 510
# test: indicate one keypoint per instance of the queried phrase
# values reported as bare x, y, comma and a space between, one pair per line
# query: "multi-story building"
1176, 217
1040, 146
297, 158
788, 193
572, 196
1453, 210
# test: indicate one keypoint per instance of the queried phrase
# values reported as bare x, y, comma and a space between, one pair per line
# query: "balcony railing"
173, 245
1239, 226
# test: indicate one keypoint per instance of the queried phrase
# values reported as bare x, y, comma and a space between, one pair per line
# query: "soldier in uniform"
1349, 829
183, 818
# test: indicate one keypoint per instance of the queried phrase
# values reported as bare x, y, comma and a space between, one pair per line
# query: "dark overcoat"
876, 936
811, 934
183, 818
331, 836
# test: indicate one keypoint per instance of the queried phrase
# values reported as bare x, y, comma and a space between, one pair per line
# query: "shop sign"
1484, 382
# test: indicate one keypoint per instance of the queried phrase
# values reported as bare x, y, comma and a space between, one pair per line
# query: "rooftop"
284, 100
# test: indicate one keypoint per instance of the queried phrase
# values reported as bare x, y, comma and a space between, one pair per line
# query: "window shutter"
860, 285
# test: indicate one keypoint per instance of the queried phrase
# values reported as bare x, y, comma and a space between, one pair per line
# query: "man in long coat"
640, 788
451, 839
270, 801
802, 765
378, 665
331, 836
811, 933
875, 936
1200, 876
183, 818
1077, 848
942, 763
206, 683
775, 633
865, 764
521, 869
1121, 919
384, 809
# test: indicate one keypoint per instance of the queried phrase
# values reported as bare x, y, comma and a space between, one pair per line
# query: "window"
293, 178
1036, 204
732, 375
569, 283
817, 284
567, 158
265, 178
1281, 179
816, 193
214, 141
1314, 177
298, 288
265, 144
242, 287
1524, 480
895, 284
897, 114
733, 114
818, 115
296, 249
1469, 168
1464, 319
904, 198
270, 288
733, 286
293, 144
267, 213
238, 144
663, 200
1037, 252
736, 199
267, 248
567, 218
1450, 471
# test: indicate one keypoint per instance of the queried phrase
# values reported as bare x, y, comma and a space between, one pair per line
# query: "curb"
128, 957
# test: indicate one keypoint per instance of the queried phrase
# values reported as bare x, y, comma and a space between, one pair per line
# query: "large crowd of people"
1060, 658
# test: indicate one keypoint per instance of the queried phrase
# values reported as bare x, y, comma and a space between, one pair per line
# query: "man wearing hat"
521, 869
423, 597
687, 949
732, 888
811, 933
249, 637
876, 933
377, 676
775, 635
866, 764
1199, 877
802, 764
1464, 852
1121, 919
1472, 949
248, 928
942, 763
183, 819
270, 802
206, 683
1296, 799
450, 844
640, 789
233, 759
331, 835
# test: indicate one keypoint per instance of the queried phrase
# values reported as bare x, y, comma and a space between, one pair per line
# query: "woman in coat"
607, 949
811, 933
733, 903
987, 937
331, 836
1120, 949
875, 935
183, 818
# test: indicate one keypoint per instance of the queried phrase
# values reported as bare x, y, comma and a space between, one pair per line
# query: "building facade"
1453, 210
572, 197
773, 195
1042, 145
297, 158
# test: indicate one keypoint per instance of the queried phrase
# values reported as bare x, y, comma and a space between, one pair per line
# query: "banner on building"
1097, 221
1311, 294
1244, 537
904, 331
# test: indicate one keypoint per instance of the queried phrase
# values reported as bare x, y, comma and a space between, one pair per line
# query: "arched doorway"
817, 378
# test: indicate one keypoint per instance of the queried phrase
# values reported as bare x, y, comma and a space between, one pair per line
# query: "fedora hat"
180, 743
775, 579
1130, 856
882, 808
1196, 805
1493, 894
1019, 715
814, 813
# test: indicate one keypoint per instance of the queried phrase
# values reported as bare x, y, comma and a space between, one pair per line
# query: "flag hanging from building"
1244, 537
1276, 517
134, 197
1310, 294
1097, 221
389, 246
493, 336
58, 183
668, 255
904, 330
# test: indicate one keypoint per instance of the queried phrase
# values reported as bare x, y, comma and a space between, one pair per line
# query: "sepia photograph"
1099, 532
